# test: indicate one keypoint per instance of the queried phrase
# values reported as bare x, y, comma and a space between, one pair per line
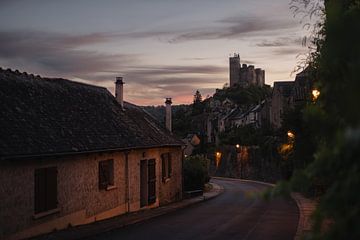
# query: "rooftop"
54, 116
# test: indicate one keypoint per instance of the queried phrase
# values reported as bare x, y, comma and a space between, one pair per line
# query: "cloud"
281, 42
55, 53
236, 27
62, 55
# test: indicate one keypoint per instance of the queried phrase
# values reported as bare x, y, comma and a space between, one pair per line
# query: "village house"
72, 153
280, 101
191, 142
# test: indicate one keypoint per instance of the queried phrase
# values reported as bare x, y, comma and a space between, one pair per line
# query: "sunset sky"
162, 48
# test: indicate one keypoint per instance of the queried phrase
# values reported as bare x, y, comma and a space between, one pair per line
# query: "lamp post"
238, 158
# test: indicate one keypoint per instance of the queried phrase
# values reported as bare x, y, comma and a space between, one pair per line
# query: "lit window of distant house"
166, 166
45, 197
106, 174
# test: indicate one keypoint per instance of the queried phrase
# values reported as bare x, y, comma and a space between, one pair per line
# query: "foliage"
332, 125
247, 135
195, 172
198, 105
243, 95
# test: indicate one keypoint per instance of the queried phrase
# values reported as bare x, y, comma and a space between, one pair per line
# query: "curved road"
235, 214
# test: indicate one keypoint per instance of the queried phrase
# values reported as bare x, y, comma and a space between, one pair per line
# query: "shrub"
195, 172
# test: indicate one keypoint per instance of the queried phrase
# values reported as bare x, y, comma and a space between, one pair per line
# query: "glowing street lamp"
237, 146
290, 134
217, 159
315, 94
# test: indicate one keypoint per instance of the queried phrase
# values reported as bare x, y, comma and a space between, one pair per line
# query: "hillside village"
247, 102
246, 115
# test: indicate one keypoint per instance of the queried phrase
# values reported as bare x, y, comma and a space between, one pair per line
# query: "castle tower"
234, 69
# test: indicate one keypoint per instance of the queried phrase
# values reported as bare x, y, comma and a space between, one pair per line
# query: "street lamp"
217, 159
290, 134
315, 94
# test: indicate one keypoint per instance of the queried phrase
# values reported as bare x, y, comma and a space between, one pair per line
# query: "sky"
162, 48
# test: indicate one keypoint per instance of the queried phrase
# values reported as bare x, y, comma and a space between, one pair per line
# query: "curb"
305, 206
244, 180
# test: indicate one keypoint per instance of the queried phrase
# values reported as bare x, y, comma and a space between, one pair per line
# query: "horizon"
159, 53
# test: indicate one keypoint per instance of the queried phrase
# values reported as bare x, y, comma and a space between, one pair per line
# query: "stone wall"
79, 199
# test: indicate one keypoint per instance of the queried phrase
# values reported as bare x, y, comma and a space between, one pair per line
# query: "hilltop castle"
245, 75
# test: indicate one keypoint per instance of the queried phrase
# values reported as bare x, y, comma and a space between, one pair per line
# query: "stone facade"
244, 75
280, 101
72, 153
79, 199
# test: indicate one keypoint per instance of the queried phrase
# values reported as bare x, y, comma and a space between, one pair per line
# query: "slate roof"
53, 116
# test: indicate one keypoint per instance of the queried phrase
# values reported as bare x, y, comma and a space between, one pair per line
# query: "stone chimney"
168, 120
119, 91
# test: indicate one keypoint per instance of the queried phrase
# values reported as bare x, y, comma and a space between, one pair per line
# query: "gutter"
86, 152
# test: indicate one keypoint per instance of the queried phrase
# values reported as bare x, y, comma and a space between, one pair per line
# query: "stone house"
72, 154
280, 101
191, 141
257, 116
302, 88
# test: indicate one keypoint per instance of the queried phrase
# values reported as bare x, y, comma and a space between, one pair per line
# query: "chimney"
168, 103
119, 91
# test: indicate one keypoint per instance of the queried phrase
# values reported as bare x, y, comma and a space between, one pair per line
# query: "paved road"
235, 214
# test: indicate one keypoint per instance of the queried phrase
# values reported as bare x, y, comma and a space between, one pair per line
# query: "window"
45, 196
106, 174
166, 166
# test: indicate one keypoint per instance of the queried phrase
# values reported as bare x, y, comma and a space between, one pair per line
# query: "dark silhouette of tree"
198, 106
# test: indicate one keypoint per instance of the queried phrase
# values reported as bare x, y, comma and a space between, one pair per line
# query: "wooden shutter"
169, 165
51, 188
103, 175
163, 166
151, 181
40, 194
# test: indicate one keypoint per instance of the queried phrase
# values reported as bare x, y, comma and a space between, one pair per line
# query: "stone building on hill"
72, 153
280, 100
244, 75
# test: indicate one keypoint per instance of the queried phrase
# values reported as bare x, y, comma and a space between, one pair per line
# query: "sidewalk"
91, 229
306, 208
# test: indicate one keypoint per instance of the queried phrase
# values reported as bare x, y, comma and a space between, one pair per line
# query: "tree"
197, 97
198, 106
334, 172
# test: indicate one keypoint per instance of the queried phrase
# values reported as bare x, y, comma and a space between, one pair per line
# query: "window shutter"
40, 194
103, 182
51, 188
169, 165
151, 181
163, 161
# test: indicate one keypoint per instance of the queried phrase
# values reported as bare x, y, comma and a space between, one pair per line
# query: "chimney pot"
168, 119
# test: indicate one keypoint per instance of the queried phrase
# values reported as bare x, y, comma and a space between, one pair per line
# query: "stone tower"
234, 69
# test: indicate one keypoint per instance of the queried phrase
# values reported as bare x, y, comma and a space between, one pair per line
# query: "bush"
195, 172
